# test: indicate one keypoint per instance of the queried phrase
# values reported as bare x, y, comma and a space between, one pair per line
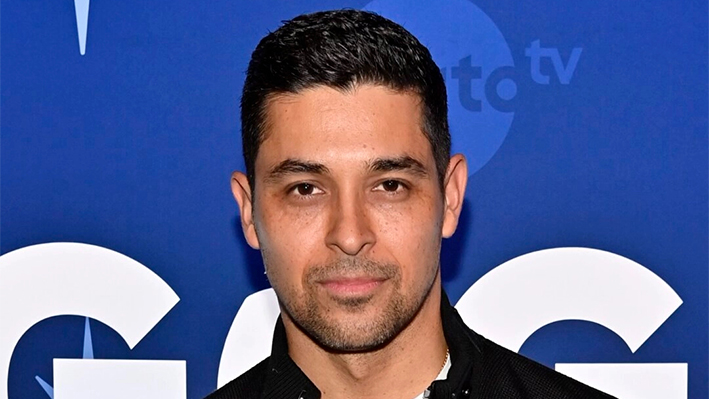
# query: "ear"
454, 192
242, 193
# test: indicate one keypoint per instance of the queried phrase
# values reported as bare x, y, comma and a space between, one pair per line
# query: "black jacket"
480, 369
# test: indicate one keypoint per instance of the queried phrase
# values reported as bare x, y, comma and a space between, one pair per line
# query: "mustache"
351, 267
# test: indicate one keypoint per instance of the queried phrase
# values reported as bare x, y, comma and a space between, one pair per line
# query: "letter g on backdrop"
47, 280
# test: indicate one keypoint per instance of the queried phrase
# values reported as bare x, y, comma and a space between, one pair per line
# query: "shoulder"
247, 386
507, 374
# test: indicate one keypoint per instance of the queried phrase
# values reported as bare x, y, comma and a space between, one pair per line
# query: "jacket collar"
465, 352
285, 380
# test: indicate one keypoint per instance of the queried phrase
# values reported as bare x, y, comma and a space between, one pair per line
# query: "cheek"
412, 236
279, 224
287, 238
410, 222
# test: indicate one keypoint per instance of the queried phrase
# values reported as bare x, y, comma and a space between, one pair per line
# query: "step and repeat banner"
583, 242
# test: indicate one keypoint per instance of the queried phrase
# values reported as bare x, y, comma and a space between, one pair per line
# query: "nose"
350, 229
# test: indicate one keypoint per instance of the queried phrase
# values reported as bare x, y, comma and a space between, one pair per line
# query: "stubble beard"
354, 335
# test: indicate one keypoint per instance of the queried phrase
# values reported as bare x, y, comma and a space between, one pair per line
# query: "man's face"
348, 212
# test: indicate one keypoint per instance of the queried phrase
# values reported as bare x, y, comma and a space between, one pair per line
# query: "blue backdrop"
585, 124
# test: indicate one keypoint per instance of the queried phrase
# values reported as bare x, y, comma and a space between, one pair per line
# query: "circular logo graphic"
476, 64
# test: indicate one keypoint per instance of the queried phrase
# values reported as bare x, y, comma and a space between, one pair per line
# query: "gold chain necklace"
444, 361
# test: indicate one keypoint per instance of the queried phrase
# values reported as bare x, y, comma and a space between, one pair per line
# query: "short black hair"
341, 49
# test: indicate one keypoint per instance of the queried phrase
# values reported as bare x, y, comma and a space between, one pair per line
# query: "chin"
352, 342
347, 330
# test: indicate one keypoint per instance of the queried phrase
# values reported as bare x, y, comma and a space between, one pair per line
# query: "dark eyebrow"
290, 166
402, 163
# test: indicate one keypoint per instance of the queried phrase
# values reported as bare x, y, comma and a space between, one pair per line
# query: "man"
349, 189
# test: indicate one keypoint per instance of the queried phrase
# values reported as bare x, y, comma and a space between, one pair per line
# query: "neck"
403, 368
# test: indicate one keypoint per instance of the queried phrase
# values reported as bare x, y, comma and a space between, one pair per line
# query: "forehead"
322, 123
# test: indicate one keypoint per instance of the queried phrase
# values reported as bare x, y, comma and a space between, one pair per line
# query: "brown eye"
305, 189
391, 185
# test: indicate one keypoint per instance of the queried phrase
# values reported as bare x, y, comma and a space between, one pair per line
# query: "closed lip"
351, 285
